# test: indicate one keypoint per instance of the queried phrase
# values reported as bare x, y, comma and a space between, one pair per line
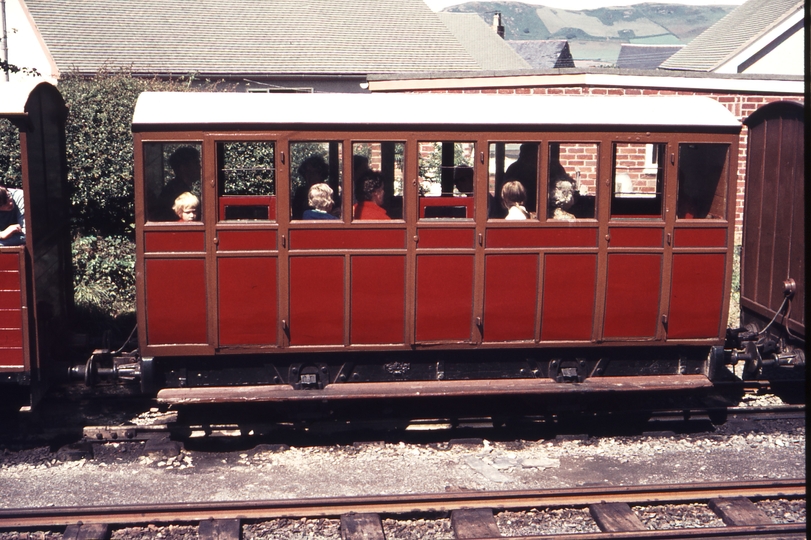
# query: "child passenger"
186, 206
513, 197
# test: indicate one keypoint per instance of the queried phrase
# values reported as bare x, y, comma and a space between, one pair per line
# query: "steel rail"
397, 504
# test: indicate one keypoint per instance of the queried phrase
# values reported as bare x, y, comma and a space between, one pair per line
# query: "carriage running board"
429, 389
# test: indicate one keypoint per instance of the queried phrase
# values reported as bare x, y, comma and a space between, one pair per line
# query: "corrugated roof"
248, 36
731, 34
544, 54
482, 42
634, 56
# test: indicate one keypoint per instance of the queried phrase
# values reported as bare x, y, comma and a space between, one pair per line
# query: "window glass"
315, 181
513, 180
247, 180
702, 181
172, 181
446, 180
638, 180
572, 181
377, 177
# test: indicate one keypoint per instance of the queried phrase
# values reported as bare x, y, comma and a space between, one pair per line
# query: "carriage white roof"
163, 109
14, 96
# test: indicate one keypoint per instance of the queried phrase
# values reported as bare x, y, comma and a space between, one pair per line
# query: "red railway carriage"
35, 277
519, 242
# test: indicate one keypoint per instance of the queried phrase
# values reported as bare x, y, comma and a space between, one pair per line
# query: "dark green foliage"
10, 172
11, 68
248, 168
104, 274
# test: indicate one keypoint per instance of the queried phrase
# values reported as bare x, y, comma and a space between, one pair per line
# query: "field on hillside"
671, 23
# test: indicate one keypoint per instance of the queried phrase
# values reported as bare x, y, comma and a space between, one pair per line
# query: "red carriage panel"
444, 297
11, 338
696, 295
12, 358
11, 321
635, 237
446, 238
174, 241
246, 240
176, 301
248, 300
510, 297
699, 238
378, 299
633, 288
10, 299
347, 239
569, 289
317, 300
541, 238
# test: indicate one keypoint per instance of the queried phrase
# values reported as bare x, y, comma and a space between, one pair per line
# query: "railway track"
471, 512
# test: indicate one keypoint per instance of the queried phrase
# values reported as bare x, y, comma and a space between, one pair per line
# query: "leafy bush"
104, 274
10, 172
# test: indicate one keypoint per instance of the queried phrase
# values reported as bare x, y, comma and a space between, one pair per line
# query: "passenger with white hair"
320, 200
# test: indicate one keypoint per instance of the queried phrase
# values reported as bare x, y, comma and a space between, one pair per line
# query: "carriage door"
700, 252
246, 245
446, 242
636, 242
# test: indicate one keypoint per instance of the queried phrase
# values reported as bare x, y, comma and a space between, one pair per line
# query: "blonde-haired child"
186, 206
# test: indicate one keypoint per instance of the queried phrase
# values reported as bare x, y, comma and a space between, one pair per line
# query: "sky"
438, 5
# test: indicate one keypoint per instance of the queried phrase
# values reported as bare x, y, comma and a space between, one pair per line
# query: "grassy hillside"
606, 27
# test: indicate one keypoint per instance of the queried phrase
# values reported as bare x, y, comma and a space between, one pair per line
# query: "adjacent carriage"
36, 295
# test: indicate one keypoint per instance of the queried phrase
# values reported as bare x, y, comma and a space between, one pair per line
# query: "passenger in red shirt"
370, 197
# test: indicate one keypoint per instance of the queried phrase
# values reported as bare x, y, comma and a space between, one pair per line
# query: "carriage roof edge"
162, 109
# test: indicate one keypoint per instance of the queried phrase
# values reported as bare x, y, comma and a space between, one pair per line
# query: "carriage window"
377, 178
572, 187
702, 181
247, 180
172, 181
512, 180
315, 181
446, 180
638, 180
